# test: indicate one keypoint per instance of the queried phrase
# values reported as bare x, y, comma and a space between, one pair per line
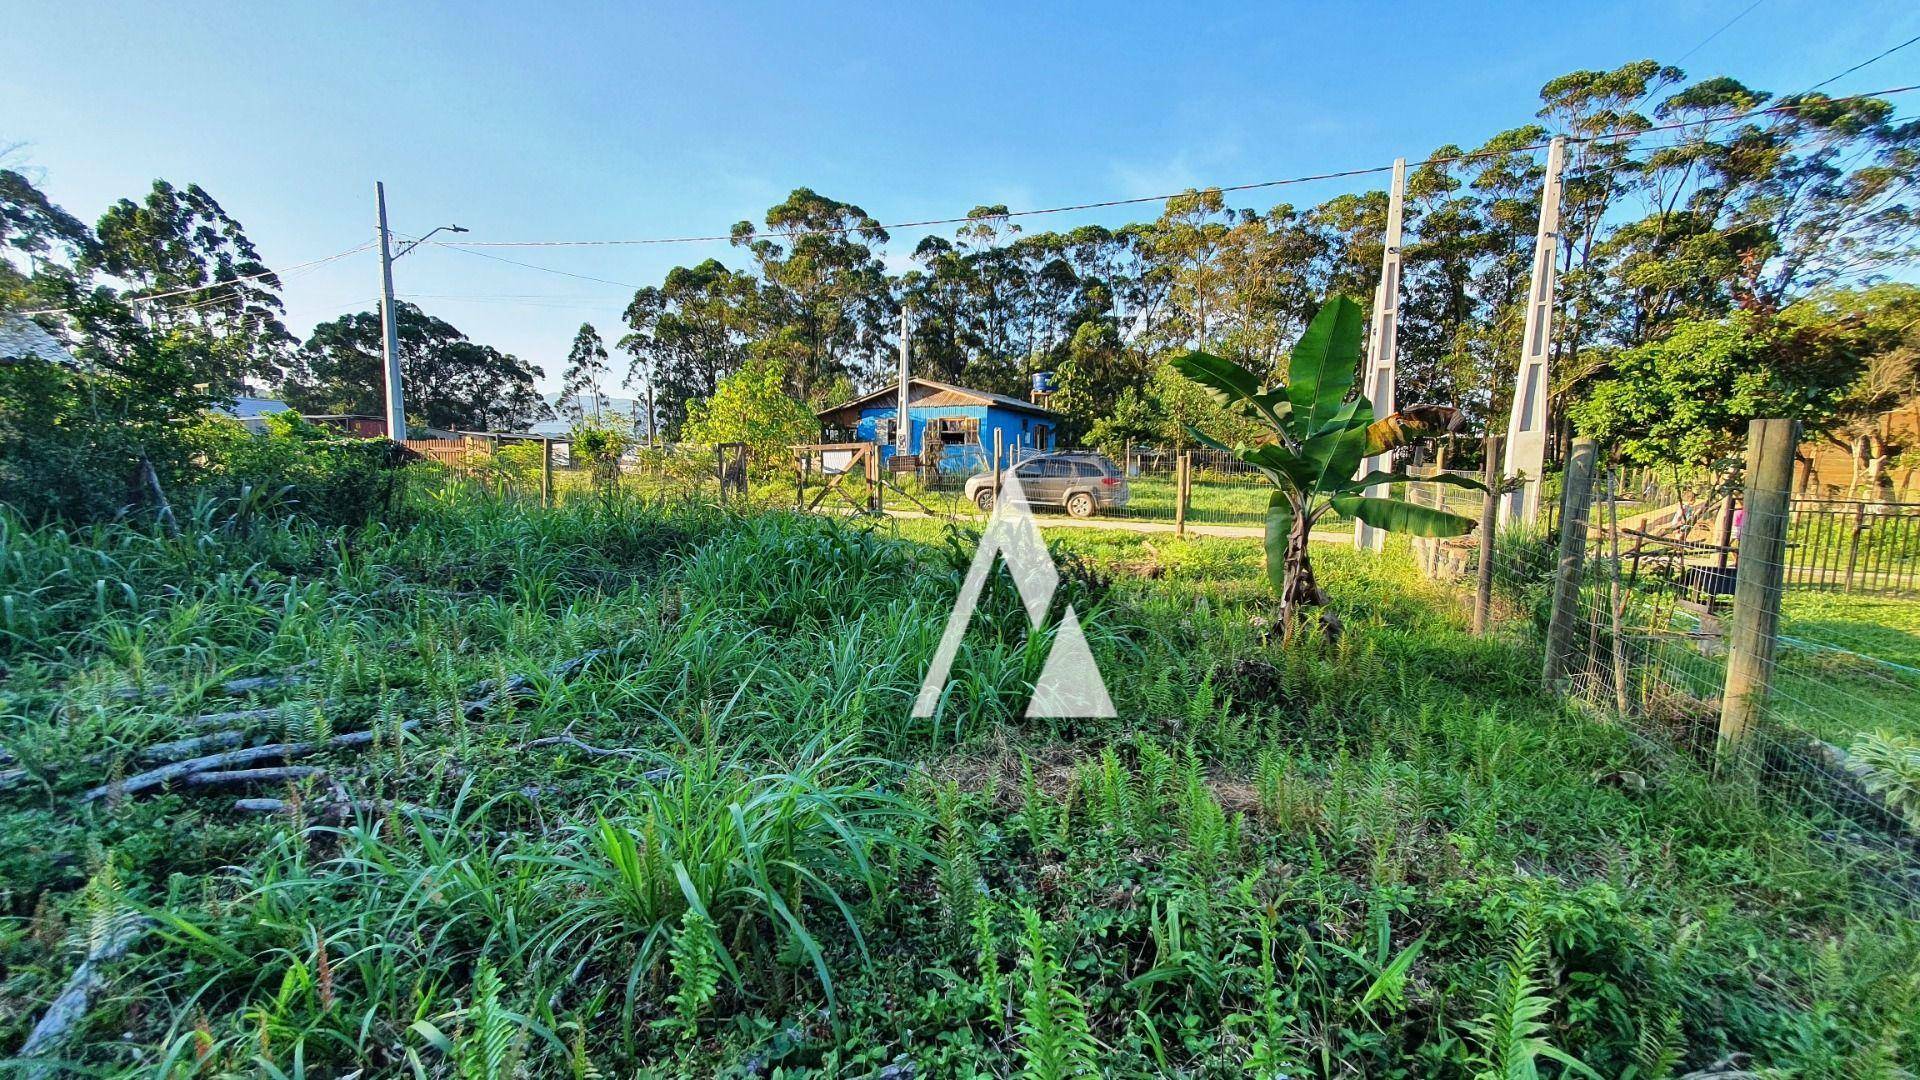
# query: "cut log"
246, 756
70, 1008
283, 774
199, 744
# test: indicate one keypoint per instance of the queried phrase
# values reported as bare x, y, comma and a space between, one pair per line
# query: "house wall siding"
1016, 429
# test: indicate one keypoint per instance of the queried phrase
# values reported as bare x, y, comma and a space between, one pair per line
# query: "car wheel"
1080, 505
984, 499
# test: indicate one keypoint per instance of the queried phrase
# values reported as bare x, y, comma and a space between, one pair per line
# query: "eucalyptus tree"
451, 382
179, 239
690, 332
586, 370
816, 257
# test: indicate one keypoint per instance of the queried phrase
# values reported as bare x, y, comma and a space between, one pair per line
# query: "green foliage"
751, 406
451, 382
1688, 397
1892, 770
1055, 1041
1511, 1033
696, 971
1317, 435
599, 446
1274, 862
296, 467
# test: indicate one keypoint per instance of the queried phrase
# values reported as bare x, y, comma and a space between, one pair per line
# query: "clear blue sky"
570, 121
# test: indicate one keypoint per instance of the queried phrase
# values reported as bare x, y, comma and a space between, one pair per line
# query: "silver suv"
1081, 482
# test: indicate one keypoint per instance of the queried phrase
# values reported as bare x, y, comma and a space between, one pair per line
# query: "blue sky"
574, 121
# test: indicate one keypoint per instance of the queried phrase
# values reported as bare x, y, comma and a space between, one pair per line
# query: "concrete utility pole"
1378, 384
1527, 427
390, 327
902, 422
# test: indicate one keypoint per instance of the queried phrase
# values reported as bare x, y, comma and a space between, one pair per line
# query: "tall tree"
586, 370
816, 257
688, 333
451, 382
182, 239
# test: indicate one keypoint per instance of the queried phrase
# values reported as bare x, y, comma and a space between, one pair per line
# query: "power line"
224, 284
1339, 174
530, 266
1864, 63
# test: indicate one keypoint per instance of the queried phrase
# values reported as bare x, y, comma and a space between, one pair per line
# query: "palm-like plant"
1320, 433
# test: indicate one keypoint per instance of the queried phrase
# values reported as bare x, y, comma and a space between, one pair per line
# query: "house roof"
21, 337
926, 393
251, 408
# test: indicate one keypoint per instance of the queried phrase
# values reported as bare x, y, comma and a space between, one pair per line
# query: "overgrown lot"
638, 790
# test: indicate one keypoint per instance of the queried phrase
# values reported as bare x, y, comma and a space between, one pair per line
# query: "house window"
1042, 437
955, 430
884, 430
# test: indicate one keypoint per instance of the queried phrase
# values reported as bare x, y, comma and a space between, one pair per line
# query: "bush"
301, 468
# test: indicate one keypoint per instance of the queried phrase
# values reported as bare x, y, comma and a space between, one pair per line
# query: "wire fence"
1648, 632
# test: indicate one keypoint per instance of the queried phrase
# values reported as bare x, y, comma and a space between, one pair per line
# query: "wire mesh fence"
1653, 613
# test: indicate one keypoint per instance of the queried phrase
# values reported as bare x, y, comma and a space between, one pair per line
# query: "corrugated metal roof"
22, 337
891, 393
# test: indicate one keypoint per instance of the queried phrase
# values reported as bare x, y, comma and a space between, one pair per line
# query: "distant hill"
612, 408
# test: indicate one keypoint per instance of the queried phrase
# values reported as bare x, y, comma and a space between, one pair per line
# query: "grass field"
633, 789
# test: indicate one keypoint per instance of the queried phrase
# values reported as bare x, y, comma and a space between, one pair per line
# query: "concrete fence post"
1489, 517
1575, 497
1758, 577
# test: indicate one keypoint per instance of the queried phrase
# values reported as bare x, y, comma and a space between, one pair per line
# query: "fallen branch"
231, 688
70, 1007
237, 716
495, 693
247, 756
337, 810
281, 775
179, 748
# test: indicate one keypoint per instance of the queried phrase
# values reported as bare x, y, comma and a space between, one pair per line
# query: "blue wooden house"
952, 426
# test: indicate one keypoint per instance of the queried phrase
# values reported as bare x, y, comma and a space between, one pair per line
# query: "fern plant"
490, 1047
1512, 1032
1055, 1040
696, 971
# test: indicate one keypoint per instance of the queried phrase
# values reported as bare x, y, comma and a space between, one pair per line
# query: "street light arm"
416, 243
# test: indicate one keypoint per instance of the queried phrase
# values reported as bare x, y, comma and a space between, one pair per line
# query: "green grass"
1389, 857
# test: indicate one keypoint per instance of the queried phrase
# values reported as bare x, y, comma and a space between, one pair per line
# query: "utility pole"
902, 421
390, 327
1378, 386
1526, 451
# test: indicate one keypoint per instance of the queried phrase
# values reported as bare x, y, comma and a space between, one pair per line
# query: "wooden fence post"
800, 470
874, 502
1757, 581
546, 472
1489, 516
1182, 472
1575, 497
1853, 545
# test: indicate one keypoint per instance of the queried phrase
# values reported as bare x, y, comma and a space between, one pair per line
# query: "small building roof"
253, 408
926, 394
21, 337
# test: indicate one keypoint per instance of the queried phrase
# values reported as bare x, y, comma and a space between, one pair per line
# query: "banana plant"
1319, 433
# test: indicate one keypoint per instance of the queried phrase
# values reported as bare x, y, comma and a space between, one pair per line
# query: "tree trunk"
1301, 591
